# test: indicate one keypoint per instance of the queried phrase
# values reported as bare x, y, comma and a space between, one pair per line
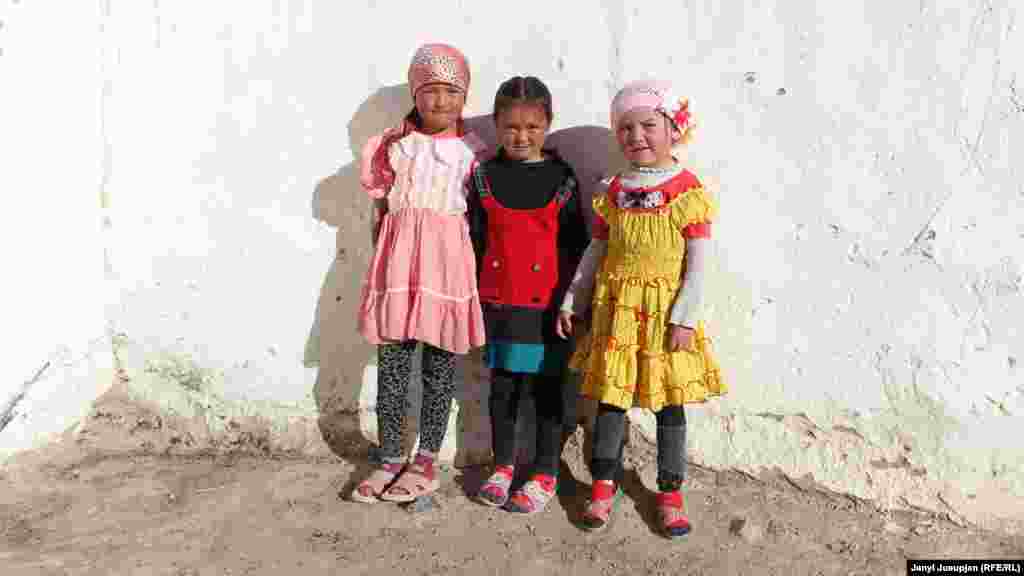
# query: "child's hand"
680, 338
564, 327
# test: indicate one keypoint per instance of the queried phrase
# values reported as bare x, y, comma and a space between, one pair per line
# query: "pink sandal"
494, 492
414, 482
370, 490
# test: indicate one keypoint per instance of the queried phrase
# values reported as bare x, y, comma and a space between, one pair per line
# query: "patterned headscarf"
438, 63
652, 94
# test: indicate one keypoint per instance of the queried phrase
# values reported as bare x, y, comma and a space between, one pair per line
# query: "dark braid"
413, 118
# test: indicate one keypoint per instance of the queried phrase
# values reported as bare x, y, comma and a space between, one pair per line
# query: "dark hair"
520, 90
413, 117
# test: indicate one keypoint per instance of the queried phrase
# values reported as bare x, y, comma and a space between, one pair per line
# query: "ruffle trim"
453, 325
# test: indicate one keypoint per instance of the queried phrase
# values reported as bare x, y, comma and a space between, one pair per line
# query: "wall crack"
7, 412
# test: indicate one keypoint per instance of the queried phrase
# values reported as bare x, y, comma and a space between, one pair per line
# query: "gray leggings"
394, 367
609, 440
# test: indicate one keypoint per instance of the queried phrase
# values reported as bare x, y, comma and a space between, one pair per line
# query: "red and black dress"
529, 233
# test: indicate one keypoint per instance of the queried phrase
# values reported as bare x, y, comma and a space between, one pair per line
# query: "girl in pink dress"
421, 285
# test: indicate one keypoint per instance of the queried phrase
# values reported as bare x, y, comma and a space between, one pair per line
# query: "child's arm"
689, 303
572, 228
688, 307
476, 216
375, 175
577, 297
376, 178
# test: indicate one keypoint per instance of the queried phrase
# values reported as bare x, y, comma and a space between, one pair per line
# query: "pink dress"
421, 284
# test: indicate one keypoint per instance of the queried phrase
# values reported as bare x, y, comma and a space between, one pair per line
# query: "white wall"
867, 282
56, 353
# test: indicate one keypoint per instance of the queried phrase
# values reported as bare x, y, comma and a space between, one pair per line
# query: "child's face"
645, 138
440, 106
521, 130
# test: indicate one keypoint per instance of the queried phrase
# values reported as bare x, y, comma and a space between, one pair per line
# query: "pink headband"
651, 94
438, 63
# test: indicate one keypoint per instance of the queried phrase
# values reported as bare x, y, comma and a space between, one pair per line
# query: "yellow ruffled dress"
623, 359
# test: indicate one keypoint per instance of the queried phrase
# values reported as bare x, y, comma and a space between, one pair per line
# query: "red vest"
520, 265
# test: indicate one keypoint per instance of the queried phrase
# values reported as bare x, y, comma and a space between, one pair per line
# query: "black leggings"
609, 440
506, 390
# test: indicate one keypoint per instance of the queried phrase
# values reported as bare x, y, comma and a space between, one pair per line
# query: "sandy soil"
85, 508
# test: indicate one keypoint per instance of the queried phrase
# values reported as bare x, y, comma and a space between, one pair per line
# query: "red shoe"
534, 495
604, 496
673, 516
494, 492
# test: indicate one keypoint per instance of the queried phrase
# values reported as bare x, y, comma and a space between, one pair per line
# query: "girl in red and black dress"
529, 233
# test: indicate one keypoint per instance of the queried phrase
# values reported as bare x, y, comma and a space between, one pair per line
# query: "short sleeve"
694, 231
693, 212
372, 175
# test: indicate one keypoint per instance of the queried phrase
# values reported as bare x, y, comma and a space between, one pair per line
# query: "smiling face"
646, 138
522, 129
440, 107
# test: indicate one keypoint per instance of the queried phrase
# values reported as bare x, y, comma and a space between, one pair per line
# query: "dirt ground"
84, 508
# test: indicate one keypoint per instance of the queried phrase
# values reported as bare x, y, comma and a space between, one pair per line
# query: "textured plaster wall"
56, 354
182, 192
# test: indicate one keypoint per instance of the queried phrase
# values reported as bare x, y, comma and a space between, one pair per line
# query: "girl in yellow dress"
642, 278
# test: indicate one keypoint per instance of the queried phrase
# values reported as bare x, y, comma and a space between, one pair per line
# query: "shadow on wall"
345, 386
334, 346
